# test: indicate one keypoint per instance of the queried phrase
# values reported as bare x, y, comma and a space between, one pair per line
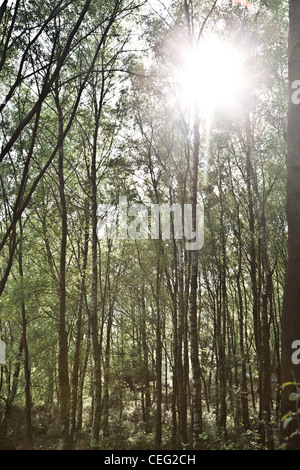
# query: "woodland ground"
126, 433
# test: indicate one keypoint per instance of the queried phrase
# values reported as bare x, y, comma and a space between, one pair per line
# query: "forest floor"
126, 433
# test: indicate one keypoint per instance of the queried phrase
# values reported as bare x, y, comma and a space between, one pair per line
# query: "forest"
149, 225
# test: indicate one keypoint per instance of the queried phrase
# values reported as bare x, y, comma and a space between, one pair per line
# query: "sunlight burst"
211, 75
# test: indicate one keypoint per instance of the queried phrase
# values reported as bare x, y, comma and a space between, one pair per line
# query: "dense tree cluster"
128, 342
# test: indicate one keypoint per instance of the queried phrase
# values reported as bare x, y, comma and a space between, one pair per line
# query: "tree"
143, 343
290, 372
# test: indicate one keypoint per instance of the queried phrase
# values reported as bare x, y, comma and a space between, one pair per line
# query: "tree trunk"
76, 361
290, 372
194, 351
244, 390
26, 357
63, 368
146, 366
222, 319
265, 357
81, 384
180, 370
94, 296
106, 374
158, 431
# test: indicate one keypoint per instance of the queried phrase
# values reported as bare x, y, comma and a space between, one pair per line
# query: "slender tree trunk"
244, 389
81, 384
265, 359
106, 374
94, 297
222, 320
181, 376
146, 365
78, 340
158, 432
194, 350
26, 357
63, 367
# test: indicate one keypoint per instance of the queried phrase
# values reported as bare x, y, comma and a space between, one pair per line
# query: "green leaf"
286, 422
295, 433
288, 415
294, 396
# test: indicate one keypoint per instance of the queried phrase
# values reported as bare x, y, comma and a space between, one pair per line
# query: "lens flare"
211, 75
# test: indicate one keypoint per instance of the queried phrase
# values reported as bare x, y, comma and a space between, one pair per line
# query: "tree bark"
26, 356
63, 367
94, 296
76, 361
291, 306
194, 350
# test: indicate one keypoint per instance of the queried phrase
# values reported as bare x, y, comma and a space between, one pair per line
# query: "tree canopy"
149, 242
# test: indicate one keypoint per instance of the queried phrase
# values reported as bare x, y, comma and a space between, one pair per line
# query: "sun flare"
211, 75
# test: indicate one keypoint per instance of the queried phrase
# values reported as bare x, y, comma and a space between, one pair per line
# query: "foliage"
127, 302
